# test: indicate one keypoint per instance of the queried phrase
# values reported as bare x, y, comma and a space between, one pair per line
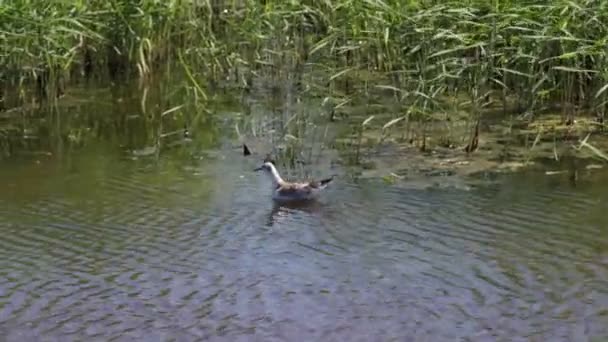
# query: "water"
96, 244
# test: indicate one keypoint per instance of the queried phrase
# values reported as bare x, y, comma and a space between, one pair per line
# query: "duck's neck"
276, 178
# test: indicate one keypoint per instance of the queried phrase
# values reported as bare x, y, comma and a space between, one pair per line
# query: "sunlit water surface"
99, 244
111, 248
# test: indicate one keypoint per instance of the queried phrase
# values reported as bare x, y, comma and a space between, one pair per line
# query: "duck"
284, 191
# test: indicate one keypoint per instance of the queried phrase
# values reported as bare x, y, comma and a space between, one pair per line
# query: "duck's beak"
257, 169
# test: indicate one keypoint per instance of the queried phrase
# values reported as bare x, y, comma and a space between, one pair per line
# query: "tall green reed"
432, 57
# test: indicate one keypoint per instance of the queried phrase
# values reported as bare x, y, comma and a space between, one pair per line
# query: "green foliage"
52, 39
422, 51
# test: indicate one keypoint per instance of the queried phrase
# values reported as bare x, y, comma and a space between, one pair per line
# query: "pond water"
96, 244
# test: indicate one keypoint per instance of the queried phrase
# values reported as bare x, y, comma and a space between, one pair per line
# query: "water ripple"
149, 255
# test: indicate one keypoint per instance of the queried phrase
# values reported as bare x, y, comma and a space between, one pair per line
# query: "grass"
432, 58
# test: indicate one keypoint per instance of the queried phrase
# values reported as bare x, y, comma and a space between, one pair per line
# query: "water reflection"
99, 244
283, 211
114, 248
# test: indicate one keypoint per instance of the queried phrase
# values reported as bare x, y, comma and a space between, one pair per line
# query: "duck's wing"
304, 188
287, 189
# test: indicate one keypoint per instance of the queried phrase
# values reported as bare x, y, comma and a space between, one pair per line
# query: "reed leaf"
392, 122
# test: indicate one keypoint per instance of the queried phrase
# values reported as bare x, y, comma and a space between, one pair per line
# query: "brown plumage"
287, 191
286, 188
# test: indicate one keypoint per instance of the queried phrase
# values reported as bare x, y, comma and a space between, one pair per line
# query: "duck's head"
269, 168
267, 164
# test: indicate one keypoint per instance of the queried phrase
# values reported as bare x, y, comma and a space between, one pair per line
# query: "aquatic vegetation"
45, 44
424, 50
414, 65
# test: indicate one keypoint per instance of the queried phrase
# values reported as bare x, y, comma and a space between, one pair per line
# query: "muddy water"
97, 244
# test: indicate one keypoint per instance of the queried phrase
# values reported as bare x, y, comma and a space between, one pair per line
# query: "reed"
432, 57
45, 44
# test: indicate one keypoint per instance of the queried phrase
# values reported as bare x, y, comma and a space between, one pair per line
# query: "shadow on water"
99, 243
